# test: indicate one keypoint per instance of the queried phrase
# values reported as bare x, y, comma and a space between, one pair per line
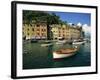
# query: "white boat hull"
58, 56
61, 42
43, 45
78, 42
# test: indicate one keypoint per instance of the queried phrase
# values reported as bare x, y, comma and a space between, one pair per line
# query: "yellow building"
75, 32
65, 32
55, 31
35, 31
59, 31
39, 31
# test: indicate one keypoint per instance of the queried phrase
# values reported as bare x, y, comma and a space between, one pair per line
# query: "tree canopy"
41, 16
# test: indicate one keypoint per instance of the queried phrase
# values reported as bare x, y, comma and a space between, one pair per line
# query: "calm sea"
41, 57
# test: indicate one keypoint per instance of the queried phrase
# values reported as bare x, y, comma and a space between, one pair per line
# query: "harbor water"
37, 56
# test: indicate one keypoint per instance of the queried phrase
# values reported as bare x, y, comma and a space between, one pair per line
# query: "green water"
41, 57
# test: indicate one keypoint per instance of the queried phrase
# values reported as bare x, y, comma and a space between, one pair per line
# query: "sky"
75, 18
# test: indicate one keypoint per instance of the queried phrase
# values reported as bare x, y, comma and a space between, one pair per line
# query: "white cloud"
79, 24
70, 23
86, 28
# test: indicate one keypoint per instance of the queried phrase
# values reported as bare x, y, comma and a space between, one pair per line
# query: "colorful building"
35, 31
66, 32
39, 31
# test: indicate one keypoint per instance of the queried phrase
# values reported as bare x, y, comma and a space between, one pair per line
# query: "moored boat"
61, 42
45, 45
79, 42
63, 53
34, 41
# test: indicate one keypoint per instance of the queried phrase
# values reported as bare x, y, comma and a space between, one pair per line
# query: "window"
63, 35
30, 24
28, 29
27, 33
42, 34
38, 34
44, 29
38, 25
38, 29
32, 29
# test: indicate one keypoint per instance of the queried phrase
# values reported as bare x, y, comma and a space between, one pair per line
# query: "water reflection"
41, 57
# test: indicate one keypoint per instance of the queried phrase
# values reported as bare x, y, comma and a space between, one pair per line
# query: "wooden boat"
64, 53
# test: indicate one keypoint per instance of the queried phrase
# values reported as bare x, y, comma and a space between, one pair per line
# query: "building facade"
66, 32
35, 31
39, 31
